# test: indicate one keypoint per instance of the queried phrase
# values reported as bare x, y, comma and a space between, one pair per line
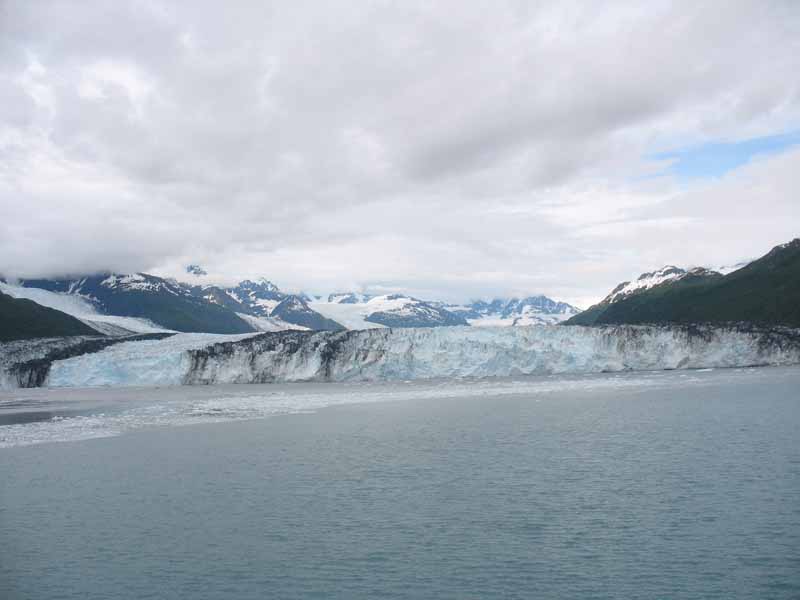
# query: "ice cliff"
27, 363
392, 354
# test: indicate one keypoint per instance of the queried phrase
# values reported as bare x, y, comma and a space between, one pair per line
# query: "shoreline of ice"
425, 353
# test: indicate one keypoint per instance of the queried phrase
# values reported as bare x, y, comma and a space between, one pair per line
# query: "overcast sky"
446, 149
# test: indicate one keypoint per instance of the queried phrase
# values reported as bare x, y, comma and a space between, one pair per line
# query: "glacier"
148, 362
83, 309
424, 353
27, 363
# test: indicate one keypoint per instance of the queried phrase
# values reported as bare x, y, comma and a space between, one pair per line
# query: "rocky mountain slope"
118, 304
397, 310
765, 291
295, 309
363, 311
533, 310
84, 310
172, 305
21, 318
166, 302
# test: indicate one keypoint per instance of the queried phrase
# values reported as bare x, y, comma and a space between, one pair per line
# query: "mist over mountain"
763, 291
119, 304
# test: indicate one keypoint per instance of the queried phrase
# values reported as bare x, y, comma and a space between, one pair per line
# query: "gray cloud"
453, 149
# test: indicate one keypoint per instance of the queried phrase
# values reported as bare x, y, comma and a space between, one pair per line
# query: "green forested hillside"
23, 319
166, 302
766, 291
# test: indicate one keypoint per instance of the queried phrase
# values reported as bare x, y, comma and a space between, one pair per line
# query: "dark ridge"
22, 319
294, 309
420, 314
172, 305
765, 292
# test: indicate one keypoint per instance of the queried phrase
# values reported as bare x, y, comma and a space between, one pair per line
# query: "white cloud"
453, 149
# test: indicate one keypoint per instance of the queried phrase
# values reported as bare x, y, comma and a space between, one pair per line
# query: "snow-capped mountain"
396, 310
272, 309
164, 302
294, 309
668, 274
665, 277
101, 287
83, 309
349, 298
257, 298
169, 304
361, 311
156, 303
646, 281
196, 270
725, 269
505, 312
763, 291
253, 302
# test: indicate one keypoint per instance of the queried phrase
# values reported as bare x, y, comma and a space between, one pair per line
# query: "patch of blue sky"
715, 159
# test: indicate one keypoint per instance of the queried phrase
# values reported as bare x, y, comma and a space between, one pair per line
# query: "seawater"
637, 485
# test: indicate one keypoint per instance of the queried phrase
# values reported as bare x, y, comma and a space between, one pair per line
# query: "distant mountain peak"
196, 270
349, 298
793, 244
528, 310
663, 272
294, 301
294, 309
398, 310
399, 297
261, 283
764, 290
651, 279
141, 282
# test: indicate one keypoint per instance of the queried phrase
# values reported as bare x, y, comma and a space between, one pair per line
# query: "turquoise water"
667, 485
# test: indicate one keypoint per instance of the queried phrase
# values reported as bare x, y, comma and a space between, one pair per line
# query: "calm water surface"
653, 485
